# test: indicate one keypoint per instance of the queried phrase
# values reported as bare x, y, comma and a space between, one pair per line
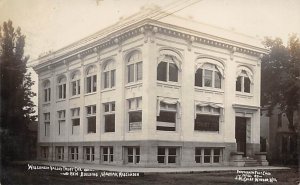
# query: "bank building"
152, 90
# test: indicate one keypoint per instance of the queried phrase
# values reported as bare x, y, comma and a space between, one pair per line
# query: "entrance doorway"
240, 134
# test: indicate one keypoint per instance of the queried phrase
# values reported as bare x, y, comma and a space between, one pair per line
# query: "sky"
53, 24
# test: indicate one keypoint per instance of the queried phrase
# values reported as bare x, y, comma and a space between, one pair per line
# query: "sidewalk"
155, 170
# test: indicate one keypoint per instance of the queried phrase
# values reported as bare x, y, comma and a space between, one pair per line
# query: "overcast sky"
52, 24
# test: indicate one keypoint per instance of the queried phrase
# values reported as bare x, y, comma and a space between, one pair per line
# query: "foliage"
16, 105
280, 75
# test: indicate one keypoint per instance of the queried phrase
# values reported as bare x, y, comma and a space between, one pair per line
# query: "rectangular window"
75, 85
247, 84
107, 154
59, 151
112, 78
139, 71
166, 121
73, 153
167, 155
91, 118
162, 71
218, 78
91, 84
47, 124
135, 113
89, 153
106, 79
61, 122
208, 155
62, 91
198, 77
44, 152
133, 155
208, 78
75, 117
238, 85
206, 123
47, 94
130, 69
109, 117
173, 72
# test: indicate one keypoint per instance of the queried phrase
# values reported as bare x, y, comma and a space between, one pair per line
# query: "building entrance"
240, 134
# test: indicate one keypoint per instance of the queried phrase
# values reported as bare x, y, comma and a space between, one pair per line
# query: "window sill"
243, 95
46, 103
90, 133
133, 84
108, 89
206, 132
75, 96
209, 90
169, 84
89, 94
60, 100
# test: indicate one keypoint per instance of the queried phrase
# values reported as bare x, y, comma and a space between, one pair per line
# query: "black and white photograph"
149, 92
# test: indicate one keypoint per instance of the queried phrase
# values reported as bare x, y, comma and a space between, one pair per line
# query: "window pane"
92, 124
106, 79
238, 85
207, 78
206, 159
113, 77
64, 90
216, 151
105, 150
171, 159
46, 95
198, 159
137, 159
162, 71
88, 84
130, 159
161, 151
60, 91
206, 123
139, 71
78, 86
173, 73
130, 151
165, 116
113, 106
109, 123
172, 151
216, 159
161, 159
106, 107
246, 85
94, 83
217, 80
76, 122
207, 151
198, 151
135, 117
73, 88
130, 73
198, 78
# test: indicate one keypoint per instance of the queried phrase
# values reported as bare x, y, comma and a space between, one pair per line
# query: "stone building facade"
151, 91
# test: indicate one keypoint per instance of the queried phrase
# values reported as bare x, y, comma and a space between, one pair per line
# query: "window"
107, 154
135, 113
61, 87
44, 152
167, 155
47, 124
109, 75
208, 155
91, 118
91, 80
109, 117
73, 153
75, 118
166, 119
134, 67
59, 153
279, 120
207, 118
47, 91
75, 83
133, 155
61, 122
167, 70
89, 153
208, 76
243, 80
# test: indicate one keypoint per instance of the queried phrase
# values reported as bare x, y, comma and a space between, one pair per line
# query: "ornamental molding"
149, 31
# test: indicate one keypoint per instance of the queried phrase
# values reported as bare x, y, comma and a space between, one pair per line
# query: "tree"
16, 106
280, 75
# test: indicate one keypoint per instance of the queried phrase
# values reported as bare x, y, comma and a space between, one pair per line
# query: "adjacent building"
151, 90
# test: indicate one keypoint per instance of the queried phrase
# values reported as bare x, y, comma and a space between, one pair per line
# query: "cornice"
149, 28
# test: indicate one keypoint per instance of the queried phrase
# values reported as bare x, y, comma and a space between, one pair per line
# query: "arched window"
109, 74
91, 79
209, 73
134, 67
244, 80
75, 83
168, 66
61, 87
47, 91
